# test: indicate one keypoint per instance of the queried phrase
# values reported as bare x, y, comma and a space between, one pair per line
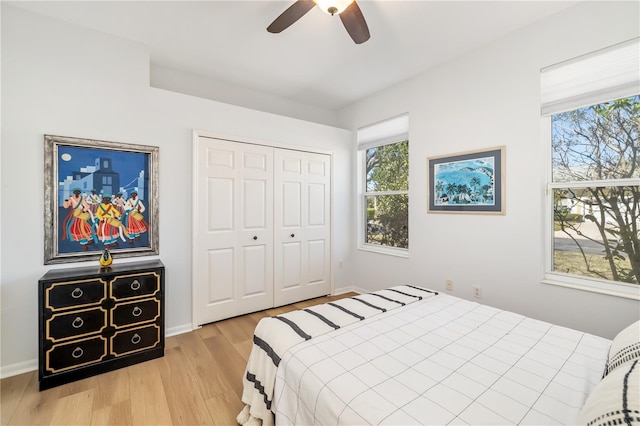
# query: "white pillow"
616, 399
625, 348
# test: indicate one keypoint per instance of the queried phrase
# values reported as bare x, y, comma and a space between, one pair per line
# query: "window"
592, 109
383, 151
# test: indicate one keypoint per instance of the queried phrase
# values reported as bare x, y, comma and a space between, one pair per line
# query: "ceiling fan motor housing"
333, 7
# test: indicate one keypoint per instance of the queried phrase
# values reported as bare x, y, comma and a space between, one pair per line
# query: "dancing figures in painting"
135, 223
94, 201
109, 225
77, 223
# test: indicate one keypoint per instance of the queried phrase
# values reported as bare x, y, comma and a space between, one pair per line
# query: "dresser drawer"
135, 340
126, 314
75, 354
135, 285
75, 324
73, 294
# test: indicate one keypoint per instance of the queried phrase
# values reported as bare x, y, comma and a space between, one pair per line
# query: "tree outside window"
596, 191
386, 197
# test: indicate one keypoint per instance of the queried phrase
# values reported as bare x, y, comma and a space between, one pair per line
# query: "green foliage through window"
387, 195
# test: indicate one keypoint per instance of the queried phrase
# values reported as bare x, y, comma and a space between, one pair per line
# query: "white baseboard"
18, 368
181, 329
343, 290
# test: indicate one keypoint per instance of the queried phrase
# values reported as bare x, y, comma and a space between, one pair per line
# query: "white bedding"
442, 360
273, 336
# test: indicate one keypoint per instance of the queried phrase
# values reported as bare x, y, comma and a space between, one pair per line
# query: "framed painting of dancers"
99, 195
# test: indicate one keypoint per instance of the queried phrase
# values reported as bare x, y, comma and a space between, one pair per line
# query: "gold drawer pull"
77, 323
77, 352
137, 311
136, 339
77, 293
135, 285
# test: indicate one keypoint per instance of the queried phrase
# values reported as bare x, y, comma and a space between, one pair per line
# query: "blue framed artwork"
99, 195
467, 182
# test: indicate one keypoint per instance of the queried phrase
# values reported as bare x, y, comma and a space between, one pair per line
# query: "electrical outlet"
340, 265
449, 284
476, 292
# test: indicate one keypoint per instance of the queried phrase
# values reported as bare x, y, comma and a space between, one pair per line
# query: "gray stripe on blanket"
388, 298
369, 304
268, 349
422, 289
342, 308
324, 319
405, 294
294, 326
256, 384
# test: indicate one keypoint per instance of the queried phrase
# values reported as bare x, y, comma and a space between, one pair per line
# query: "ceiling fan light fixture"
333, 7
352, 18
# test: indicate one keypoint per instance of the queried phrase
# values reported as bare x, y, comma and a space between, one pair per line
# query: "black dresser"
94, 320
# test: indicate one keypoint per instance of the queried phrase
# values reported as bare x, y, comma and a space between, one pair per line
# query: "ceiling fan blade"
291, 15
353, 21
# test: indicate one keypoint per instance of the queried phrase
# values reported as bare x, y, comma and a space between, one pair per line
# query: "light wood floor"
197, 382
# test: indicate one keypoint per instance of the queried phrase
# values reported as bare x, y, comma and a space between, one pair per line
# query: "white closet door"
233, 229
302, 228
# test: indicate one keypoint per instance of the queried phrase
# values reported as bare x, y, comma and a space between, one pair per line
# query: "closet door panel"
317, 224
255, 214
220, 270
291, 215
214, 251
290, 266
255, 266
302, 234
233, 229
317, 208
255, 270
317, 262
219, 205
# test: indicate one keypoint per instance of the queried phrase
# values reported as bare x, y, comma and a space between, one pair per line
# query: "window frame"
362, 202
592, 78
612, 288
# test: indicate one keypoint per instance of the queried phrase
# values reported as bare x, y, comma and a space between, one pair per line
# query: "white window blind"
610, 73
385, 132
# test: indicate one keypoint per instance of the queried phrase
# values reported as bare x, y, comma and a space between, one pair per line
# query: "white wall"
63, 80
485, 99
181, 82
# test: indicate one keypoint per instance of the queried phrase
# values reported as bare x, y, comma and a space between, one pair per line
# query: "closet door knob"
293, 235
255, 237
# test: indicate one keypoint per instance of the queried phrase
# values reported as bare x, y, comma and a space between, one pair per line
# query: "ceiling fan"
348, 10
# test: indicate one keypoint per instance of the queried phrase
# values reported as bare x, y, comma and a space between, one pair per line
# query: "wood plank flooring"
197, 382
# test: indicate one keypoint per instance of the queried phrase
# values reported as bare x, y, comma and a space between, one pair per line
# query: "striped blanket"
273, 336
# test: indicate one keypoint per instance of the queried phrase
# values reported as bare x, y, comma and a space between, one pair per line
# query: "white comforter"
273, 336
442, 360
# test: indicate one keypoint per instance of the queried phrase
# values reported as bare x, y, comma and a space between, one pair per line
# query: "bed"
409, 355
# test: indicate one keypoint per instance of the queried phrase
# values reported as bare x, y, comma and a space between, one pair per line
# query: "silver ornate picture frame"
99, 195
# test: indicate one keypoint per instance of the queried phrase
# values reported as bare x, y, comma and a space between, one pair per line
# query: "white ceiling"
313, 62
